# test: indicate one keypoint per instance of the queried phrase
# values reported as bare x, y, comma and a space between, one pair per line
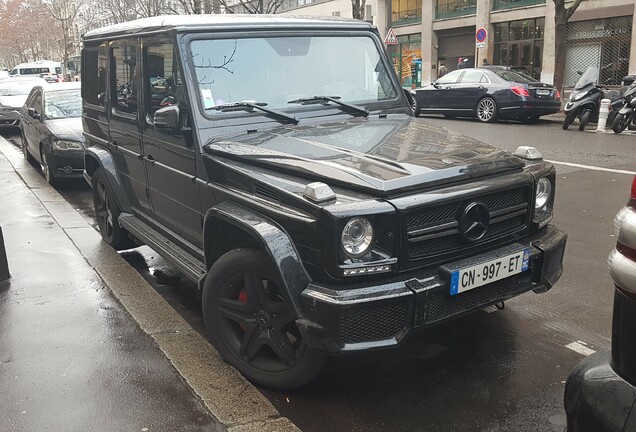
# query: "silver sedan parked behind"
13, 94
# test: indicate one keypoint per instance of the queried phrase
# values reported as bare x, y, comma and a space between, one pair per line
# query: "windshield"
590, 76
17, 88
277, 70
63, 104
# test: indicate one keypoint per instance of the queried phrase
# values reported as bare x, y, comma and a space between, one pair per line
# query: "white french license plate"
490, 271
543, 92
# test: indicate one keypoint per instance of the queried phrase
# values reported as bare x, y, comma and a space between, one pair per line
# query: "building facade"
518, 33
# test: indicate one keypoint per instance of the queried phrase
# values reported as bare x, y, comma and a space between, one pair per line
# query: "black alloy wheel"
415, 106
252, 326
107, 211
48, 174
567, 121
585, 119
487, 110
621, 122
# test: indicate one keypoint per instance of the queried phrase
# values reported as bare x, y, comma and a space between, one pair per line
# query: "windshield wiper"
250, 106
335, 99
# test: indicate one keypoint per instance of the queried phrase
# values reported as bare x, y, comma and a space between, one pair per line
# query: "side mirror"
167, 118
33, 113
435, 84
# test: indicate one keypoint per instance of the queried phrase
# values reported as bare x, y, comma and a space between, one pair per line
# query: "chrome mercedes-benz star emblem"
448, 161
474, 222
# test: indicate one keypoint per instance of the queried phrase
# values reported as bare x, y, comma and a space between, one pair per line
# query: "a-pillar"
547, 68
429, 43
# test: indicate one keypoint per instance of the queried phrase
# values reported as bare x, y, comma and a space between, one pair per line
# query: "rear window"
515, 77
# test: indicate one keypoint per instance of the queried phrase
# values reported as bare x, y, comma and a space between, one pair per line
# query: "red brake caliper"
242, 297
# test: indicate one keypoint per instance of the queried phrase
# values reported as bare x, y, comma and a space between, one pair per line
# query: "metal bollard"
4, 265
602, 115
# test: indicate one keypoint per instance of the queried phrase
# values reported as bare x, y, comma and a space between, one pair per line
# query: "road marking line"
593, 168
580, 348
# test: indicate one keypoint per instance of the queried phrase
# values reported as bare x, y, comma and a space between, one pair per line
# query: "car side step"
191, 266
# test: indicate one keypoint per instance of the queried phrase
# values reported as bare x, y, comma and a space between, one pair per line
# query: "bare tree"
251, 6
357, 9
561, 17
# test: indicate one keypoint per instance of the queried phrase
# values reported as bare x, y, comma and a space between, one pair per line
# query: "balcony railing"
413, 16
510, 4
455, 9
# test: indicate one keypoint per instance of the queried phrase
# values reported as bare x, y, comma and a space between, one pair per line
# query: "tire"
567, 121
251, 325
610, 117
585, 119
30, 159
486, 110
416, 107
107, 212
621, 122
45, 167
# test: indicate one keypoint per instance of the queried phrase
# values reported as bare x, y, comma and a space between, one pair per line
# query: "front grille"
442, 305
434, 230
372, 324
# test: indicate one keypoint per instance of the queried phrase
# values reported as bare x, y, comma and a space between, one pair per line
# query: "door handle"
150, 158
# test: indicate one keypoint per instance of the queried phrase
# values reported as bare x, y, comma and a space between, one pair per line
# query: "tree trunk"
560, 39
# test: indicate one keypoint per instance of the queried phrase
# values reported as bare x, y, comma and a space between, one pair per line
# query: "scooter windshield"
590, 76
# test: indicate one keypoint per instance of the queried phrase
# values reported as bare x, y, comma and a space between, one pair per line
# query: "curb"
233, 401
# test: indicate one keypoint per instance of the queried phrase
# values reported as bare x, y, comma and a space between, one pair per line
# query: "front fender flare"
99, 157
268, 235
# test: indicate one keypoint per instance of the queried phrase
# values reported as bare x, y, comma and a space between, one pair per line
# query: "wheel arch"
230, 225
97, 157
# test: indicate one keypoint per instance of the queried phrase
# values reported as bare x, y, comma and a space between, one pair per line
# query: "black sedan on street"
600, 394
51, 130
487, 94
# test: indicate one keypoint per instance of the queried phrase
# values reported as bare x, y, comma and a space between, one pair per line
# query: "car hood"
13, 101
381, 156
66, 128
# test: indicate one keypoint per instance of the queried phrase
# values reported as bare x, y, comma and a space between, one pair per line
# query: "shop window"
405, 12
509, 4
407, 60
454, 8
520, 44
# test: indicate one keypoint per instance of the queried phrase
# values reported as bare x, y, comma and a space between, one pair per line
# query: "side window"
37, 103
450, 78
94, 84
162, 81
484, 79
124, 79
472, 77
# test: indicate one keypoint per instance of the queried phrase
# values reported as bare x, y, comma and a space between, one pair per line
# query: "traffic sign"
391, 38
481, 34
480, 44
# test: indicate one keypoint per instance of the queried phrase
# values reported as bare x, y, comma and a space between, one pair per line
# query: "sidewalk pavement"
87, 344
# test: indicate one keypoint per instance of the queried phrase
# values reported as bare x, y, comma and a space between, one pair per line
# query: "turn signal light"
520, 91
558, 95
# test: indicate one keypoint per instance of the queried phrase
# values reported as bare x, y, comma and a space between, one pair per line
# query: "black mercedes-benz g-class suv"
276, 162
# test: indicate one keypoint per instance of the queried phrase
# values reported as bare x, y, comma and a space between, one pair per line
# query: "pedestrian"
485, 62
442, 70
460, 63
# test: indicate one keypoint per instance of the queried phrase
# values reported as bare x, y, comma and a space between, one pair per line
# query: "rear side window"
94, 76
515, 77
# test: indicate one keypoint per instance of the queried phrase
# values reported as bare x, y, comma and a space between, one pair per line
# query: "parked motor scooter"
585, 100
627, 114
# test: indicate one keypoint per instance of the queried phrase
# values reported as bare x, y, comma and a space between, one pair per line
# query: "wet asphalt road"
492, 371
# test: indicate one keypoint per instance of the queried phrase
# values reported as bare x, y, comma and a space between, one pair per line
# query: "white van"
37, 68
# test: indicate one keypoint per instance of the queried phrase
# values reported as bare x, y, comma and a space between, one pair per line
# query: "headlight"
67, 145
579, 96
357, 237
542, 196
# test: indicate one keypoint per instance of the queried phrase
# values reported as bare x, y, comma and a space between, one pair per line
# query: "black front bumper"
67, 163
338, 319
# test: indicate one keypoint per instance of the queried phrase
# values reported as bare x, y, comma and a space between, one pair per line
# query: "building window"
520, 44
509, 4
405, 12
454, 8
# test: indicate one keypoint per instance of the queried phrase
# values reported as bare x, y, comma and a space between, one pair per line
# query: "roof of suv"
204, 22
